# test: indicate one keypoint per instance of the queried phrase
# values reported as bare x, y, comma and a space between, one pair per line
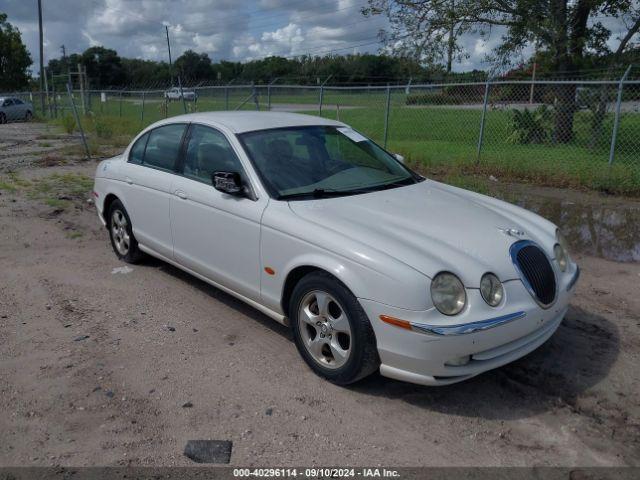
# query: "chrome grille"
535, 270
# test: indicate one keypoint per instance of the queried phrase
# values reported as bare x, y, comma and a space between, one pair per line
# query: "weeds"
68, 123
74, 235
59, 190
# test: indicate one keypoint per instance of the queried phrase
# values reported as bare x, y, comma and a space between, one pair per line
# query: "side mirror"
399, 157
228, 182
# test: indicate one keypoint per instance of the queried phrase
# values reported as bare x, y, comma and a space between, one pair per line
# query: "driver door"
215, 234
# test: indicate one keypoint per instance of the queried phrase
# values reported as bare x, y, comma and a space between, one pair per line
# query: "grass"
437, 138
5, 186
59, 190
74, 235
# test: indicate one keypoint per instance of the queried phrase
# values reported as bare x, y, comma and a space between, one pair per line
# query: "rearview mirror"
399, 157
227, 182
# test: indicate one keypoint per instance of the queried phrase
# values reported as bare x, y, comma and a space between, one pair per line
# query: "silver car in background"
13, 108
176, 93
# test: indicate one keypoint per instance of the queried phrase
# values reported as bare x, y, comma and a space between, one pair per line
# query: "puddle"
593, 225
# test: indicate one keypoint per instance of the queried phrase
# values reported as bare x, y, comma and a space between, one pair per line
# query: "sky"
236, 30
225, 29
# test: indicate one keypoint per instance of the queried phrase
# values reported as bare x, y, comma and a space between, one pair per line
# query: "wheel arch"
296, 273
108, 201
292, 279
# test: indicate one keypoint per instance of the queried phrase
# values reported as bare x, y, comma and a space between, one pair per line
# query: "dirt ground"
105, 366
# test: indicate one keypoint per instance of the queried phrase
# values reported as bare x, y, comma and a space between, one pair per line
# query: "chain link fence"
546, 127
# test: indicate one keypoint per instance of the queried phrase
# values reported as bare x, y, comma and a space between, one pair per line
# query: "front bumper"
492, 337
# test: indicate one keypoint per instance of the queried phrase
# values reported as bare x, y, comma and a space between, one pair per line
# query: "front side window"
17, 101
309, 162
208, 151
163, 147
8, 103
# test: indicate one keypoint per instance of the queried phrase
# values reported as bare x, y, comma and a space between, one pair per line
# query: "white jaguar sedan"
373, 266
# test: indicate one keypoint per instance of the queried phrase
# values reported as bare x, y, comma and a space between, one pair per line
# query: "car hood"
433, 227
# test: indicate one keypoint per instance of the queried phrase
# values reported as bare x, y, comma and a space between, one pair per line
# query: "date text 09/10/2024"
315, 472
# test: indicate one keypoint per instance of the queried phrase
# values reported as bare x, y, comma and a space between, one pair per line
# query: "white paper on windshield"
352, 134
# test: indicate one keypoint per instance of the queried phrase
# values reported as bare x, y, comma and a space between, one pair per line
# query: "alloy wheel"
325, 329
119, 233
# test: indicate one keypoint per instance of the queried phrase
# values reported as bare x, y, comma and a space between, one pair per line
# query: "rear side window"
17, 101
163, 147
8, 103
136, 154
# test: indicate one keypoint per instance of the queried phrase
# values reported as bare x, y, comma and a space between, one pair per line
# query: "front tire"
331, 330
123, 242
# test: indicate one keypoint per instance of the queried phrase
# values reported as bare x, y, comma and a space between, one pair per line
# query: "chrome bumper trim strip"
574, 280
466, 328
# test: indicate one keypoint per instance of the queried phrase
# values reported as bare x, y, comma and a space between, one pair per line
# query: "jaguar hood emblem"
512, 232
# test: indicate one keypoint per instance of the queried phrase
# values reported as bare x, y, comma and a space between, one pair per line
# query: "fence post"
120, 105
386, 116
269, 93
256, 100
53, 96
482, 119
77, 117
616, 120
269, 98
184, 102
142, 110
322, 94
226, 98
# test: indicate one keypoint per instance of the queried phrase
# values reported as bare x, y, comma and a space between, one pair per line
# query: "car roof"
249, 121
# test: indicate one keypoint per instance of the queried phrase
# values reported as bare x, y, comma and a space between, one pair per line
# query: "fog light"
459, 361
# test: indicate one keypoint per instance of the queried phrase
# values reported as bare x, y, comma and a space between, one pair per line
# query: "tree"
144, 73
428, 31
194, 66
103, 65
567, 29
14, 57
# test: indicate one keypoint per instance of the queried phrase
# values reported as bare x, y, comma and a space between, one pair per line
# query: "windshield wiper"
318, 193
328, 193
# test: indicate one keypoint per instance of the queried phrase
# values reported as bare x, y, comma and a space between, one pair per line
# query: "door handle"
181, 194
128, 180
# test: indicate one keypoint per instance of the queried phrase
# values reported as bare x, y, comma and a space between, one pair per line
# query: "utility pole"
41, 56
64, 58
166, 27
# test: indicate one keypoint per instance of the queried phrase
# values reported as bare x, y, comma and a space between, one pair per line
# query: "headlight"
448, 294
491, 289
561, 251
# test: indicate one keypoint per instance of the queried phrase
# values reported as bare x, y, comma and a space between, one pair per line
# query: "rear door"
19, 109
8, 109
150, 172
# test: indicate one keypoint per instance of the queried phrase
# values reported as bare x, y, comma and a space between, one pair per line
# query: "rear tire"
3, 118
28, 116
123, 241
331, 330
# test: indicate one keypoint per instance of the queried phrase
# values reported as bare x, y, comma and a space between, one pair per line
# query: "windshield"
312, 162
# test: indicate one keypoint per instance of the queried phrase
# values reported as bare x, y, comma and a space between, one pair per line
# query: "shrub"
531, 126
435, 98
68, 123
102, 127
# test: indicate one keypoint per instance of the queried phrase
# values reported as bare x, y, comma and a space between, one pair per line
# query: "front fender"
369, 274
